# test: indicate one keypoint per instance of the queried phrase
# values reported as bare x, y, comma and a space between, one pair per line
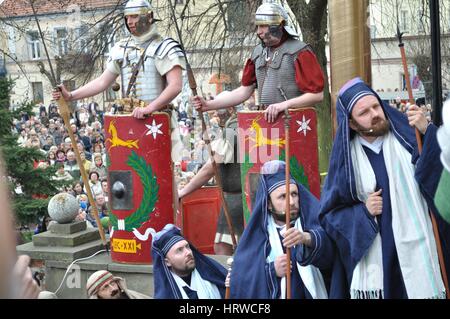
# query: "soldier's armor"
278, 72
149, 83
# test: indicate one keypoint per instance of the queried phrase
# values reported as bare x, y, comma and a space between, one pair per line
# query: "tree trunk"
312, 18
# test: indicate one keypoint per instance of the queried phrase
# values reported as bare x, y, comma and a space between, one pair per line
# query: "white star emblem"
154, 129
304, 126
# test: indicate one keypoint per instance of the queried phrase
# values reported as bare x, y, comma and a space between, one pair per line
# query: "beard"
281, 216
379, 127
186, 269
190, 265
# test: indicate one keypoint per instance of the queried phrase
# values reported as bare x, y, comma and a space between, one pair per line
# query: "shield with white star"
140, 182
260, 142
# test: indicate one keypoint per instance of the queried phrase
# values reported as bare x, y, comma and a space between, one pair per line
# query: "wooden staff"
65, 114
205, 135
227, 288
419, 144
287, 118
408, 83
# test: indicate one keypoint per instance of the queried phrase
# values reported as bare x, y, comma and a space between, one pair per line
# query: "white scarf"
411, 226
204, 289
310, 275
153, 31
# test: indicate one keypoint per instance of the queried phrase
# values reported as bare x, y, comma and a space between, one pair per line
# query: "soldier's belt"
127, 105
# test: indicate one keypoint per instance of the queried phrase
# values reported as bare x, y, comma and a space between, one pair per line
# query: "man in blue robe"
260, 263
180, 271
376, 200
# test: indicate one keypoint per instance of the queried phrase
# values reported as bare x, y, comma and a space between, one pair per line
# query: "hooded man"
103, 285
260, 263
181, 272
283, 69
376, 199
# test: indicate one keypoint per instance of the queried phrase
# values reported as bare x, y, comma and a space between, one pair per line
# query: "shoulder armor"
153, 47
117, 52
257, 51
293, 46
169, 48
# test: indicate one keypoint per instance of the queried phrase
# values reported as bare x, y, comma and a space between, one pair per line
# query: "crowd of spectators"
47, 133
403, 106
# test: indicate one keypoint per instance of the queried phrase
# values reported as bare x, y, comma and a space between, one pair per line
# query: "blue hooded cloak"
344, 217
252, 277
165, 285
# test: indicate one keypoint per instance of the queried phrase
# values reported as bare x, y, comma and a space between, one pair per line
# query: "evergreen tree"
36, 184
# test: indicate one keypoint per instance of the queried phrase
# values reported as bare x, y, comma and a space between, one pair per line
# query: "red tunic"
308, 73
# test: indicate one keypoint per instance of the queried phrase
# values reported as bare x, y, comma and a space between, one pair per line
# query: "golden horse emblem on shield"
117, 141
260, 139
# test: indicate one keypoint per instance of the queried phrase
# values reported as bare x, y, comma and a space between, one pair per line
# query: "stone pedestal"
63, 242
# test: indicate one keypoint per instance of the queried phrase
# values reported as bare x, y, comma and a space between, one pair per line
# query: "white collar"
376, 146
153, 31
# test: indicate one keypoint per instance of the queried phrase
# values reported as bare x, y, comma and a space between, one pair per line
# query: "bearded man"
376, 199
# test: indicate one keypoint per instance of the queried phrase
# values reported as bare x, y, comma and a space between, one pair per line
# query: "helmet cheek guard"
276, 31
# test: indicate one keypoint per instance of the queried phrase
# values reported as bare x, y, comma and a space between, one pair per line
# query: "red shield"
141, 183
260, 142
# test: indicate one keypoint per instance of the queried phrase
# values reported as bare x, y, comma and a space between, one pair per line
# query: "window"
404, 25
12, 41
38, 92
373, 31
421, 22
82, 34
34, 45
2, 67
61, 41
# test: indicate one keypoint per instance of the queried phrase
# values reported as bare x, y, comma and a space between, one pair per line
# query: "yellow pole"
349, 44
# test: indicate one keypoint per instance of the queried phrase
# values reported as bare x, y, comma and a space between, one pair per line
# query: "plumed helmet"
271, 13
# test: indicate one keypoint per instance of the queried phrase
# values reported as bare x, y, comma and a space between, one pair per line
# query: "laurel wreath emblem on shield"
297, 170
245, 168
151, 188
